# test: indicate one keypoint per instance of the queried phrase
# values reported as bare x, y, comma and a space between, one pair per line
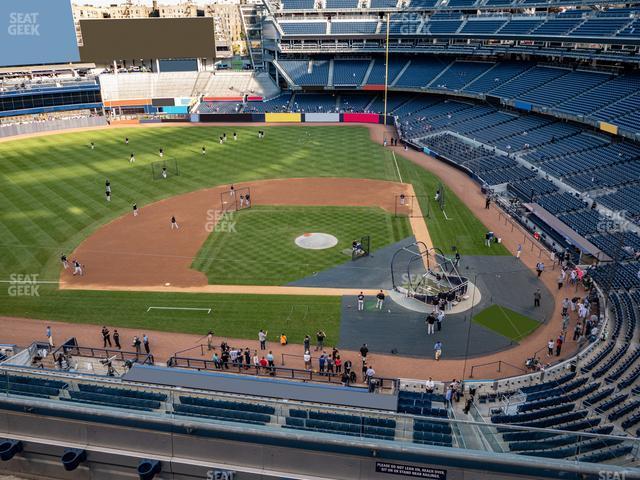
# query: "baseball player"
107, 185
241, 201
108, 194
93, 146
77, 268
224, 137
204, 150
361, 302
63, 260
235, 136
232, 190
402, 199
174, 224
161, 152
132, 158
380, 300
221, 140
164, 172
135, 210
246, 200
126, 140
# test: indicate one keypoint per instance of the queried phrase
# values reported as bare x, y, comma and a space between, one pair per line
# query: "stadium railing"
272, 419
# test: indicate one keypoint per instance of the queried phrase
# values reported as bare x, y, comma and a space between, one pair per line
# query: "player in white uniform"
174, 224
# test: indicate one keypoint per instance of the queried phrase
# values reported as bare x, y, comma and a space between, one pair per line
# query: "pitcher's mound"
316, 241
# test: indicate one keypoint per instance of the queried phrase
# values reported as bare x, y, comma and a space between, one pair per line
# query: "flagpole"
386, 69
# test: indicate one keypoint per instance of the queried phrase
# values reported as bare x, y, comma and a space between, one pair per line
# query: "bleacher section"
135, 86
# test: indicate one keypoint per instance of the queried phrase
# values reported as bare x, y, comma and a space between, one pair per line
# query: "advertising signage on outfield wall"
35, 32
147, 38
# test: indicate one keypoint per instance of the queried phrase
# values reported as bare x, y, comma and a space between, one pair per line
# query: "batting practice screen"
135, 38
37, 32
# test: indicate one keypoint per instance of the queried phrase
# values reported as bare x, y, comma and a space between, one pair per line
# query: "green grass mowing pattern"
52, 187
506, 322
52, 196
464, 230
260, 250
233, 316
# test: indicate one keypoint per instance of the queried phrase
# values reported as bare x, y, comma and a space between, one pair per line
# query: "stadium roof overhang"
567, 232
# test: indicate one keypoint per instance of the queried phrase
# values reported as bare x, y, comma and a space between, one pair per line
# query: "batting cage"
164, 169
426, 274
236, 199
361, 248
412, 206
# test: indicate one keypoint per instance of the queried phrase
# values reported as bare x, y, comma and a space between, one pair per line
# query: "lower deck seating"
354, 425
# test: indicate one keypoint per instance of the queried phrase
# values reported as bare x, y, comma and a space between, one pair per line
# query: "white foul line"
396, 162
208, 310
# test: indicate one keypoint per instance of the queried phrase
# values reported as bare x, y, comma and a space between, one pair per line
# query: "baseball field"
52, 199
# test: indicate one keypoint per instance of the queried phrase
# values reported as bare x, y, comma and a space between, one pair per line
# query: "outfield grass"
506, 322
233, 316
260, 250
463, 230
52, 194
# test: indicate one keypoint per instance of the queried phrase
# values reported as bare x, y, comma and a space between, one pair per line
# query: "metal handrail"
499, 362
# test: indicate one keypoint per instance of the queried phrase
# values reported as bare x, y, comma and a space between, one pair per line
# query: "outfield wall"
373, 118
51, 125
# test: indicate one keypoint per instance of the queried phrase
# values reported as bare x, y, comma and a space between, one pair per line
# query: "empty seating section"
427, 404
600, 27
419, 73
353, 28
298, 4
109, 399
349, 72
421, 3
533, 79
342, 4
601, 96
384, 3
563, 88
307, 73
340, 423
442, 26
304, 28
556, 27
501, 73
482, 27
30, 386
460, 74
379, 70
520, 27
625, 199
560, 203
432, 432
532, 189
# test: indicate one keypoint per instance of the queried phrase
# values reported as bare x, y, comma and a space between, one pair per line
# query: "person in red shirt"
558, 346
338, 363
263, 362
